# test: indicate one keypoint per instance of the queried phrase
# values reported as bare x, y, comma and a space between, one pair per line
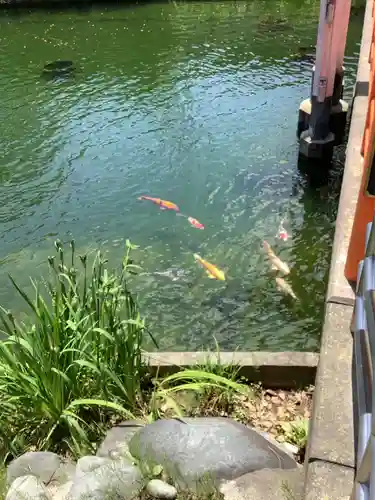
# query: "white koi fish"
276, 263
284, 287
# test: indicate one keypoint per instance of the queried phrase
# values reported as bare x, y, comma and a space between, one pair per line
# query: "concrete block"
331, 427
273, 369
339, 290
326, 481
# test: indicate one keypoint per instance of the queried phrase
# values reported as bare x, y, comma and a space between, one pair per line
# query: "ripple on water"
193, 102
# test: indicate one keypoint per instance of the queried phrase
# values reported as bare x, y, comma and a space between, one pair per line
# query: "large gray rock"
215, 448
117, 480
275, 484
116, 440
46, 466
27, 488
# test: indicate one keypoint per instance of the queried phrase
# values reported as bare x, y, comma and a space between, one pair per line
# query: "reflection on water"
194, 103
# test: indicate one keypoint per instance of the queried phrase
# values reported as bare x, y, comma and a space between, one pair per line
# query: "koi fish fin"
274, 268
211, 276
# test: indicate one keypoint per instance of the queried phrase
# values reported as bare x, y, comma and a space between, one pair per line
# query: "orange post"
366, 203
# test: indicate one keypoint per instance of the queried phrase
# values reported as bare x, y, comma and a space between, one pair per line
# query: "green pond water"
190, 102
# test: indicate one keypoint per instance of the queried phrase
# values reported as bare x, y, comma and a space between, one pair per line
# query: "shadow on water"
59, 70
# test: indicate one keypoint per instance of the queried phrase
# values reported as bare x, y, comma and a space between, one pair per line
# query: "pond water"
195, 103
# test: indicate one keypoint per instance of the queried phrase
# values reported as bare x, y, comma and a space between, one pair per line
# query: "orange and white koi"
282, 233
195, 223
163, 204
212, 271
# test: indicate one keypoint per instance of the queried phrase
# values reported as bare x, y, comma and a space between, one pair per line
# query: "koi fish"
163, 204
276, 263
282, 233
283, 286
212, 271
195, 223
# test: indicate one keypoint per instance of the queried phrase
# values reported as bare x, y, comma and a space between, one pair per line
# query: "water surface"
191, 102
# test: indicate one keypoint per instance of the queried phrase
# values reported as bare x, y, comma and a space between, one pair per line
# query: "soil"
266, 410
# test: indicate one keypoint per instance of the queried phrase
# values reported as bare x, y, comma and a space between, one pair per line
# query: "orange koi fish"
195, 223
212, 271
163, 204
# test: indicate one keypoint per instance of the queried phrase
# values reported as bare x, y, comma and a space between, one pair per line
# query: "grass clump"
296, 432
77, 361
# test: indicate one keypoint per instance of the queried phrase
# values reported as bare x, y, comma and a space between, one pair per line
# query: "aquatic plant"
77, 361
80, 351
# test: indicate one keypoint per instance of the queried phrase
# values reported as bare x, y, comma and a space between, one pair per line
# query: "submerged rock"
59, 67
214, 449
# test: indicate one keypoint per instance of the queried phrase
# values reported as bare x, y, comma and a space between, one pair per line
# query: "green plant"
206, 387
296, 432
214, 364
80, 354
220, 398
78, 360
3, 475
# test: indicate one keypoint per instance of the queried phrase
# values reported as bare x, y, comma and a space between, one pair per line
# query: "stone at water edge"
117, 480
27, 487
45, 465
275, 484
213, 449
116, 440
160, 489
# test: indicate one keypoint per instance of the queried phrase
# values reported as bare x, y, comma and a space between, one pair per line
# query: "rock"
215, 448
115, 443
88, 464
44, 465
275, 484
64, 473
27, 488
62, 492
285, 447
116, 480
159, 489
290, 448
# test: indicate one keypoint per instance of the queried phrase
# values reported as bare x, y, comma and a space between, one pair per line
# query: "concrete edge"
287, 370
339, 290
331, 426
330, 454
326, 468
325, 480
